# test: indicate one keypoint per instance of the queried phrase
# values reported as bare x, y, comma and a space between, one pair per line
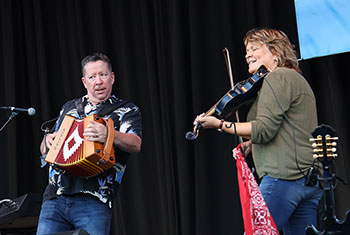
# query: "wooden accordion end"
71, 151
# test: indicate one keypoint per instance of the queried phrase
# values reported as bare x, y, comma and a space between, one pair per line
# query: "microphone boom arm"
13, 114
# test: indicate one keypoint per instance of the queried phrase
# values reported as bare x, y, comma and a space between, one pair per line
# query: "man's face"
98, 81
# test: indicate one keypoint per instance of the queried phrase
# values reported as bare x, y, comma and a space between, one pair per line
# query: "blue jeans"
293, 206
74, 212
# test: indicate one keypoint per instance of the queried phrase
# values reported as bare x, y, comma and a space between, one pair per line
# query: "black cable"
290, 125
235, 128
46, 130
46, 122
335, 113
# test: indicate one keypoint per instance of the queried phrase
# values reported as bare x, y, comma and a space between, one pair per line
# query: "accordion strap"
110, 139
79, 105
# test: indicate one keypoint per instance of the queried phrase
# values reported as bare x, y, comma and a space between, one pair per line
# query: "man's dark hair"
93, 58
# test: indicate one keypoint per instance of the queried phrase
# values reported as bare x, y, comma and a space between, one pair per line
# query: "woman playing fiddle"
280, 123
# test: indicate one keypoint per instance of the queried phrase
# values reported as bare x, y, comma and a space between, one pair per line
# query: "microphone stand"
13, 114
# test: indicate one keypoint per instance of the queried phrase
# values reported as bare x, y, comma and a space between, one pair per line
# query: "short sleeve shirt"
127, 119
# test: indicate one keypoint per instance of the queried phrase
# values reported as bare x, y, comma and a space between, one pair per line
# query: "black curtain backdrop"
167, 55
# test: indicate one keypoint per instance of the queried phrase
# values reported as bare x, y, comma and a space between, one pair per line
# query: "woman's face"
258, 54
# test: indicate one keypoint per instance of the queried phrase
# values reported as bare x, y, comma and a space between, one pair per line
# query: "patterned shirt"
127, 119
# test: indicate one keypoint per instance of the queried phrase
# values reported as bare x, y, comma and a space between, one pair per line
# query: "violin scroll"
194, 134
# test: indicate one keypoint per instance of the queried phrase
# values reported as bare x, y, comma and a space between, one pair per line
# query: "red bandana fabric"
256, 216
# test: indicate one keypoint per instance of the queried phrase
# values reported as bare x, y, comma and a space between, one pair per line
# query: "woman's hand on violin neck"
208, 121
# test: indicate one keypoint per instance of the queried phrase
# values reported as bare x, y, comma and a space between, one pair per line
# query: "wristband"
220, 125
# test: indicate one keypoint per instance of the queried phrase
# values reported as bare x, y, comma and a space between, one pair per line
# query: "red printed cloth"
256, 216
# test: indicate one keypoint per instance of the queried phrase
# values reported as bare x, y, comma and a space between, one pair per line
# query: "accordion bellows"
71, 151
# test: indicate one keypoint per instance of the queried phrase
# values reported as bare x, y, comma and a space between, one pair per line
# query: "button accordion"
72, 152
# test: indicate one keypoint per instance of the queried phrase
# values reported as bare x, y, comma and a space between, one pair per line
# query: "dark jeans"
74, 212
293, 206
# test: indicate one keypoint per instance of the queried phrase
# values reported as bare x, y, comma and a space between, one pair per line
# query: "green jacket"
281, 146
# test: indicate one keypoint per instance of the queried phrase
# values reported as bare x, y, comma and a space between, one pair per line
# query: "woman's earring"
276, 61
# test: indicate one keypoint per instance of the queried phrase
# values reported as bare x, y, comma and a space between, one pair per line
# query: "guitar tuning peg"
318, 138
324, 142
328, 137
333, 155
315, 145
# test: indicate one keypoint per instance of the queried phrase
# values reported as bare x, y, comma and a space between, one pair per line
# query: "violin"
241, 93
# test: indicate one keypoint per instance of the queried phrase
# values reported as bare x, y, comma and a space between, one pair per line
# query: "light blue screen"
323, 27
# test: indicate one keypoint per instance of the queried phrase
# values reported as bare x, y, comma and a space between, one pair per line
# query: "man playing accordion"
74, 202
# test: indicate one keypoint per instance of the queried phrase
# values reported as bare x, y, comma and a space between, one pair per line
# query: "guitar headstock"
324, 142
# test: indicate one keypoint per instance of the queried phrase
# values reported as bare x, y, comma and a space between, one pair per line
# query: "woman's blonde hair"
278, 43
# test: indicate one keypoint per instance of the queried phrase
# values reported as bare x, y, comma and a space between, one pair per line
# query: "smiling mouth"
251, 62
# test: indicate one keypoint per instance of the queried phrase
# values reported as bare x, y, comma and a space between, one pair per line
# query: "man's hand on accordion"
45, 146
96, 132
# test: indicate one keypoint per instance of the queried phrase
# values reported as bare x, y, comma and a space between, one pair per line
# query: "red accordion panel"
73, 153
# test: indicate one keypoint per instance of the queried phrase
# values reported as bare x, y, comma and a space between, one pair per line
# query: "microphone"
30, 111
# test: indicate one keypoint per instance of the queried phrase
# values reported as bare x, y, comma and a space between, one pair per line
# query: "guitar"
324, 144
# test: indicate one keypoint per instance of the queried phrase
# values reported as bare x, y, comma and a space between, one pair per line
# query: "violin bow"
229, 70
